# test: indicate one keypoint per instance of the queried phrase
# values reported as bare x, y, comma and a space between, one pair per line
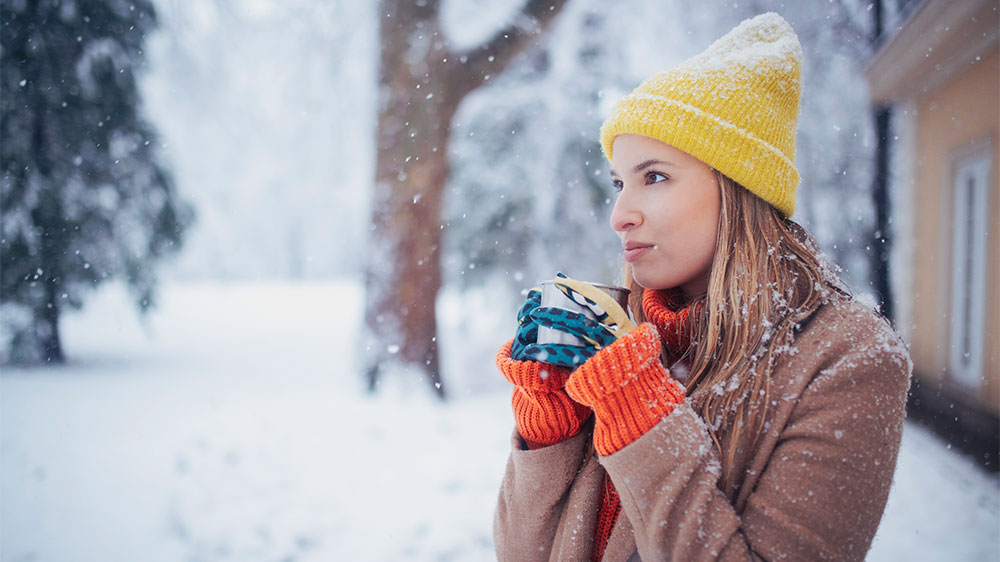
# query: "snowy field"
232, 425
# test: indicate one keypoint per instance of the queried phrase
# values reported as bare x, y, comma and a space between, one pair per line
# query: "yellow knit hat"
734, 107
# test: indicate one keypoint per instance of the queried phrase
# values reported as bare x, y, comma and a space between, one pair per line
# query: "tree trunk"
47, 326
881, 244
53, 244
421, 83
404, 273
48, 216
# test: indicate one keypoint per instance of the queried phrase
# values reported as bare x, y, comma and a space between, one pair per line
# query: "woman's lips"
635, 250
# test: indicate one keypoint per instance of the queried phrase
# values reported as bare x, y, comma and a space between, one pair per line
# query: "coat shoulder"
847, 332
844, 325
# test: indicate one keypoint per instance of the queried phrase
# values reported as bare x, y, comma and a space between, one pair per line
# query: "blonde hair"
766, 275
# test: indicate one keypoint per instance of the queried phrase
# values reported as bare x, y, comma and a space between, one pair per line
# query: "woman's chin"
651, 282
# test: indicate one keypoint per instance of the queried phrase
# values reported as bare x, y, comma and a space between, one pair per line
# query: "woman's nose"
625, 215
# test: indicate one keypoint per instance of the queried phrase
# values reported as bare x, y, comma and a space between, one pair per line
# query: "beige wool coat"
814, 488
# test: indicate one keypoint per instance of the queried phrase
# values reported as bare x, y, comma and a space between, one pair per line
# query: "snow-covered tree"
422, 79
529, 195
84, 196
267, 112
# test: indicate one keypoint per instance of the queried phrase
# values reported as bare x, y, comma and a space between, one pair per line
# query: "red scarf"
664, 309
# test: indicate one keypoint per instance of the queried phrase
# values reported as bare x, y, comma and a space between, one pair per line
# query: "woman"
754, 411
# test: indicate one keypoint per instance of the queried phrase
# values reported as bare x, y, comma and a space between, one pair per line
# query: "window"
970, 228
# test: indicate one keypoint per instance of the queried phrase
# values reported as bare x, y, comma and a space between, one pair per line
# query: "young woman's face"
667, 213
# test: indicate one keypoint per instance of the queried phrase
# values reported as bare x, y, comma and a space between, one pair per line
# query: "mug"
552, 296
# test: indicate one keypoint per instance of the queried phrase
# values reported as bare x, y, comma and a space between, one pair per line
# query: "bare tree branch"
493, 56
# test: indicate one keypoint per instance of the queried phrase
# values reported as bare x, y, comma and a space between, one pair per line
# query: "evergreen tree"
83, 198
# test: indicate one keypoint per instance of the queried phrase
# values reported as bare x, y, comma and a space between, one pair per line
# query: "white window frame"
970, 187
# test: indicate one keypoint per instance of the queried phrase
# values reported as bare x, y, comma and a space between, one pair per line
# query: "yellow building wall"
961, 112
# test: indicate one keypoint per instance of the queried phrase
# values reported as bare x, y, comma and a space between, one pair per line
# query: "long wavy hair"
767, 274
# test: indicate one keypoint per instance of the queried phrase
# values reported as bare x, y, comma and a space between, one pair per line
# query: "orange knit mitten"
543, 412
627, 387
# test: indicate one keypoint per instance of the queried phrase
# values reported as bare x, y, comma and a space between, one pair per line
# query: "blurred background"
257, 255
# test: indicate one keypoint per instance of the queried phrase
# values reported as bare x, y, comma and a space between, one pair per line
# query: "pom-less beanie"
734, 107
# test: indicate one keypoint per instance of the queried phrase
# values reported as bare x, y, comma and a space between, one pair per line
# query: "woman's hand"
611, 323
527, 328
543, 412
627, 387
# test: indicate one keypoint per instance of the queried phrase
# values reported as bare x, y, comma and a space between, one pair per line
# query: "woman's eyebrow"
643, 166
652, 162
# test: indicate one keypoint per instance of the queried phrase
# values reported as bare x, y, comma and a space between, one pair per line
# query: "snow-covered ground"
233, 425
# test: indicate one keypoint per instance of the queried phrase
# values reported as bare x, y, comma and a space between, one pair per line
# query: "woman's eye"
618, 185
654, 177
